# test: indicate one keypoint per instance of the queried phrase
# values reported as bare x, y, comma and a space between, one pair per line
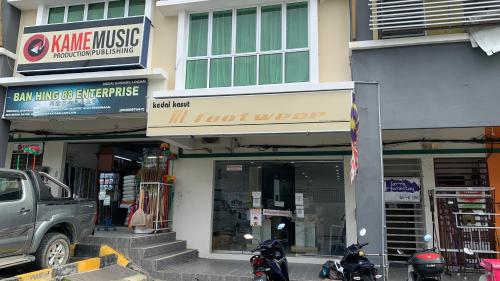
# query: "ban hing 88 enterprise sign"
81, 46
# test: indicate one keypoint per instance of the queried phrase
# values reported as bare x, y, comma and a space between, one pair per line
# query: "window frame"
23, 190
45, 20
312, 48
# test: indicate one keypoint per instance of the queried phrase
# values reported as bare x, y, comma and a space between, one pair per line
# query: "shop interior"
307, 196
112, 174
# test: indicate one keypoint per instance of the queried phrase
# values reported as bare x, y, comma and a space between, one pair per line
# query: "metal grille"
396, 15
404, 221
464, 207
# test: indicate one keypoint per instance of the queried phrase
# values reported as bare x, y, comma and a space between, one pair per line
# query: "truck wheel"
53, 251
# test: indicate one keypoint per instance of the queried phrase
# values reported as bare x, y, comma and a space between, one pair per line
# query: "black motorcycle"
355, 266
270, 264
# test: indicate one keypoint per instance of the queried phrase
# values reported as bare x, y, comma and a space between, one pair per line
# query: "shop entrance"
255, 196
107, 172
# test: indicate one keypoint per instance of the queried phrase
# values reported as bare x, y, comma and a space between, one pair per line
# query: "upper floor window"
250, 46
96, 11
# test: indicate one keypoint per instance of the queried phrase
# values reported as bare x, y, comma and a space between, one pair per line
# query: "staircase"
152, 252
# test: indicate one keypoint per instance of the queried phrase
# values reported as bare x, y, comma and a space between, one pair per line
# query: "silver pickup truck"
35, 225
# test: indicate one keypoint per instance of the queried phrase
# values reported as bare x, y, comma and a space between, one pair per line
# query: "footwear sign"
85, 46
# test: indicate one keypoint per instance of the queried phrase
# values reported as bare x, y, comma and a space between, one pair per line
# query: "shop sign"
402, 190
84, 46
92, 98
327, 111
19, 147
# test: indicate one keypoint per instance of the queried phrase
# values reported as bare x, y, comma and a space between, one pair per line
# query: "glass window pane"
221, 33
136, 7
297, 67
96, 11
246, 22
11, 187
116, 9
196, 74
271, 28
198, 35
271, 69
296, 25
245, 71
220, 72
56, 15
75, 13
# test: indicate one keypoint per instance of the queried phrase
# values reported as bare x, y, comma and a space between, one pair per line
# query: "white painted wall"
193, 202
8, 158
54, 154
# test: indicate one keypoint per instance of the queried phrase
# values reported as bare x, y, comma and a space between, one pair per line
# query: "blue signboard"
92, 98
402, 190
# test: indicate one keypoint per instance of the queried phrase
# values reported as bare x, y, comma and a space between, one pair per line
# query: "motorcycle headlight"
378, 276
356, 278
361, 253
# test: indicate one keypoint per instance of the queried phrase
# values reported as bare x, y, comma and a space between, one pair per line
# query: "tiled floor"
303, 272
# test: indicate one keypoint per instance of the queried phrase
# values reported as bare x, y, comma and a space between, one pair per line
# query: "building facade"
256, 99
434, 67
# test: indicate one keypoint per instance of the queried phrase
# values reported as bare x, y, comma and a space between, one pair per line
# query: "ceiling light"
123, 158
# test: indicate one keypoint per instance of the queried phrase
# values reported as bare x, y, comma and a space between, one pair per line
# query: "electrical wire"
52, 133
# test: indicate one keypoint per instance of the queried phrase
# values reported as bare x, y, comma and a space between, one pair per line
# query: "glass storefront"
255, 196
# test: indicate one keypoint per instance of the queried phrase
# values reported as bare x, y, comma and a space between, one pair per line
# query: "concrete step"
160, 262
151, 250
178, 276
114, 272
153, 239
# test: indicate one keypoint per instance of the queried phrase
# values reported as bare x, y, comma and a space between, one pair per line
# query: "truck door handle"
24, 211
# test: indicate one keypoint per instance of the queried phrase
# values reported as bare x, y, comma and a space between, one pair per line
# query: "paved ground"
109, 273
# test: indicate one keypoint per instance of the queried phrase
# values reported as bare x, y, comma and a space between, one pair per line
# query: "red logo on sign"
36, 47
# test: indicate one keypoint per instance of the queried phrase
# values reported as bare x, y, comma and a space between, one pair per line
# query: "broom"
139, 217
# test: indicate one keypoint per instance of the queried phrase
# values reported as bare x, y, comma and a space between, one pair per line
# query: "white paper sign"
299, 211
107, 200
299, 199
256, 202
102, 195
256, 217
277, 213
280, 204
256, 194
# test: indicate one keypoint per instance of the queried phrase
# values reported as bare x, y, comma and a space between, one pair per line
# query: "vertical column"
370, 210
4, 130
350, 205
54, 157
428, 183
494, 172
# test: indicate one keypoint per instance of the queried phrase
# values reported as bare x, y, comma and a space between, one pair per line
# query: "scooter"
354, 265
270, 264
425, 265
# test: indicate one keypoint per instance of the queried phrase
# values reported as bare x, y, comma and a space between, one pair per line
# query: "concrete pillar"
428, 183
350, 204
370, 210
4, 131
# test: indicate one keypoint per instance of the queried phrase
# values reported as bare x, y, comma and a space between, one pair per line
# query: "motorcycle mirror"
280, 226
427, 237
468, 251
400, 252
248, 236
362, 232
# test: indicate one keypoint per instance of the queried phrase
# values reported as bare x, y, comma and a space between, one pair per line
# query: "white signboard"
402, 190
256, 217
277, 213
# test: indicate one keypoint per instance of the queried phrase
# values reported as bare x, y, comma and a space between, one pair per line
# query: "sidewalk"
110, 273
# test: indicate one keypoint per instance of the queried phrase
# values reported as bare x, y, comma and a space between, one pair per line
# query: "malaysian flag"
354, 139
